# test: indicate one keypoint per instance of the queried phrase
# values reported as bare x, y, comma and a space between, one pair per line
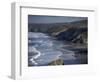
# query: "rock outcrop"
75, 35
57, 62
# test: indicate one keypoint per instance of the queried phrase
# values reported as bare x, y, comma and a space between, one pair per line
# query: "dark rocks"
73, 34
81, 38
57, 62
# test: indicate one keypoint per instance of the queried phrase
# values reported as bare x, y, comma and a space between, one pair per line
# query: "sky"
52, 19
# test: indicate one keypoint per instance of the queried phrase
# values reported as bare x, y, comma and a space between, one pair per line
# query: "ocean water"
43, 49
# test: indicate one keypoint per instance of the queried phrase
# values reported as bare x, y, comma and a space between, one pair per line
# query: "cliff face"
74, 35
74, 31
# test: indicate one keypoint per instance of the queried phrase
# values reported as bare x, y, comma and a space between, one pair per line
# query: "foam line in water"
43, 49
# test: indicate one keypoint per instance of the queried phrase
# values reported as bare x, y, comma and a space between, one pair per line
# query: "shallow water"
43, 49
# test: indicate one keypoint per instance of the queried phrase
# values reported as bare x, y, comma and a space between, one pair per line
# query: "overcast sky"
52, 19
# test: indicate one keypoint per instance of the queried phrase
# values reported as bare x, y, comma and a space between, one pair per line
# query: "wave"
37, 35
35, 54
